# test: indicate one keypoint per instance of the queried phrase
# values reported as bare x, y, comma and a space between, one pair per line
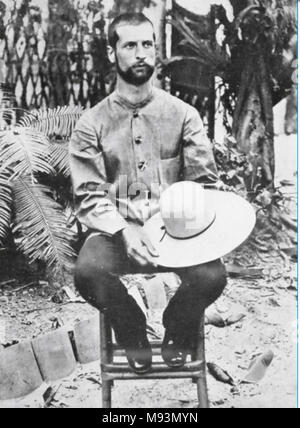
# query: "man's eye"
148, 44
130, 45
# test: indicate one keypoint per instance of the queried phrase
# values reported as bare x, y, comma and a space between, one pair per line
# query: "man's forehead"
130, 32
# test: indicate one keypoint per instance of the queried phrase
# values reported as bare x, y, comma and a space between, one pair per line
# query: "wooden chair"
112, 371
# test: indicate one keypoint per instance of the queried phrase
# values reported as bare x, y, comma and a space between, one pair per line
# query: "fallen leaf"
71, 387
258, 368
9, 344
57, 322
273, 302
215, 319
293, 287
219, 374
287, 183
58, 297
219, 403
70, 294
235, 391
92, 379
242, 272
49, 395
291, 252
234, 319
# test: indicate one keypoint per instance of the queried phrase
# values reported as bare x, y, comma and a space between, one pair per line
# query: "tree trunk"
157, 14
253, 124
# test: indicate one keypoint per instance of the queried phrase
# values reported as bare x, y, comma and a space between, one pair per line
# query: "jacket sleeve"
199, 162
94, 207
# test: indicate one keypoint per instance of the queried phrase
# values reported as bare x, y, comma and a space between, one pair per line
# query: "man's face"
135, 53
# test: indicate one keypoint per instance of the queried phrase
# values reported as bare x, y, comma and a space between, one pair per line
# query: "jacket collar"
124, 102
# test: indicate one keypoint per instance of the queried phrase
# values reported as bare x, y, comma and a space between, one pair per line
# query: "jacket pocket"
170, 170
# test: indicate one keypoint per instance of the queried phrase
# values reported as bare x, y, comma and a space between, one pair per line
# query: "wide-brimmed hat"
196, 226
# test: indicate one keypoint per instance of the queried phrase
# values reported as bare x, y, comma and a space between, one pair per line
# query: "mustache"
140, 64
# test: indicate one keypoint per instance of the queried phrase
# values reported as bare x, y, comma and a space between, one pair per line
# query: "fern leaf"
40, 225
59, 158
53, 122
25, 151
5, 204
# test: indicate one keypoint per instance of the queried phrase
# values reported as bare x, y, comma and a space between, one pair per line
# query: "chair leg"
202, 394
106, 394
106, 355
200, 355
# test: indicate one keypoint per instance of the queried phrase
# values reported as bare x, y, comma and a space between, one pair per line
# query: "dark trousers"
103, 260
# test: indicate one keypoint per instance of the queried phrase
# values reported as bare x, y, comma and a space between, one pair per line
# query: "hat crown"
184, 210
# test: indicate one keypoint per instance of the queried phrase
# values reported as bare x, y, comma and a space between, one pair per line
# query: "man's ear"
111, 54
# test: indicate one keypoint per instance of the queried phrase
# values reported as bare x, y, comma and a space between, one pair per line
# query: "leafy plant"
124, 6
231, 163
34, 182
40, 225
5, 204
251, 65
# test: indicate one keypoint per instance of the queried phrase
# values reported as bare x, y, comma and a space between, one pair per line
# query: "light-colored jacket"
122, 156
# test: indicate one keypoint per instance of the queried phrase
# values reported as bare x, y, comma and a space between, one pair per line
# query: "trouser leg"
101, 262
201, 286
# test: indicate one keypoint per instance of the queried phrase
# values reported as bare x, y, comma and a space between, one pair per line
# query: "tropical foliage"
254, 72
121, 6
35, 188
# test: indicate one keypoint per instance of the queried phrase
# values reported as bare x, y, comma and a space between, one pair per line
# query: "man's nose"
140, 52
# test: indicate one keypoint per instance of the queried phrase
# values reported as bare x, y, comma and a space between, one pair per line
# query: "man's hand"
139, 246
219, 185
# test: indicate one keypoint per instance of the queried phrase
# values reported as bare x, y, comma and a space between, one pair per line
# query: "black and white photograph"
149, 206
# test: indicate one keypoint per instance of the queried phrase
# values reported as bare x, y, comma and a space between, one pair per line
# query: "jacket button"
138, 140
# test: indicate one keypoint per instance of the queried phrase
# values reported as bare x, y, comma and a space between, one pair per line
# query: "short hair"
126, 19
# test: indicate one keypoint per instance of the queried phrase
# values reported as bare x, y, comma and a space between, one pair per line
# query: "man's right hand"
138, 246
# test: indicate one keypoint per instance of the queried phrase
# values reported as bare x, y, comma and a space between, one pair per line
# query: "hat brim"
235, 220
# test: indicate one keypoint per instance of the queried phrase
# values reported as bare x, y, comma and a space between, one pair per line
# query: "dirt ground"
269, 304
268, 300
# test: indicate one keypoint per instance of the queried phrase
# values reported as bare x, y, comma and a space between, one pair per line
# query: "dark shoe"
139, 356
173, 354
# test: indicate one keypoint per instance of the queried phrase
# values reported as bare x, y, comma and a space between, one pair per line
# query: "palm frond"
53, 122
213, 58
5, 204
59, 158
40, 225
26, 151
183, 58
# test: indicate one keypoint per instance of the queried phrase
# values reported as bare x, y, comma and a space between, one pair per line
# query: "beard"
135, 77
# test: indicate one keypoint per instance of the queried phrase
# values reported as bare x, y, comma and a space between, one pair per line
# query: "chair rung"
121, 353
155, 344
156, 368
156, 350
163, 375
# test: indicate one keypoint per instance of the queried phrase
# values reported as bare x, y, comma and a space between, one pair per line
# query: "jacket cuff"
112, 226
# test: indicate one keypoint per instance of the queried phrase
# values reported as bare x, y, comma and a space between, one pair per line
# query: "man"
123, 153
